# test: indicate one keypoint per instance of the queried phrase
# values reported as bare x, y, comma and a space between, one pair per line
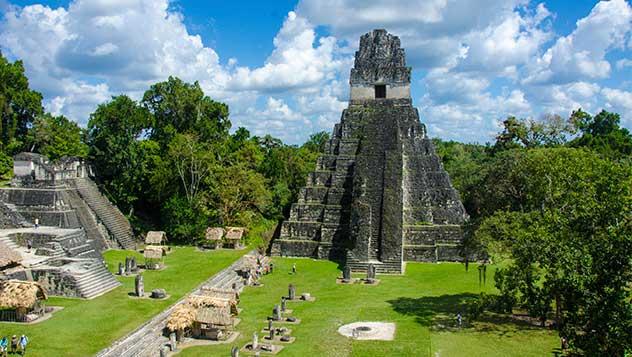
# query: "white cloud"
476, 61
295, 63
512, 41
619, 101
623, 63
581, 55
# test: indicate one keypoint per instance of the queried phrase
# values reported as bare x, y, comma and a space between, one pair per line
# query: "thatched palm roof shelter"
215, 316
153, 252
181, 318
214, 234
20, 295
230, 295
8, 257
155, 237
235, 233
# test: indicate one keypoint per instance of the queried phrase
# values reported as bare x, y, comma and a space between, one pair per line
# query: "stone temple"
379, 195
57, 210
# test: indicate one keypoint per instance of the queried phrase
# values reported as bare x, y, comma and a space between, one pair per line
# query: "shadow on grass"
439, 313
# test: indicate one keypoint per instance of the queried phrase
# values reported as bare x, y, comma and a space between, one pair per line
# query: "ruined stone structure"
379, 195
62, 195
58, 211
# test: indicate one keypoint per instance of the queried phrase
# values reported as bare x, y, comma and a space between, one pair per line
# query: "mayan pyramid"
379, 194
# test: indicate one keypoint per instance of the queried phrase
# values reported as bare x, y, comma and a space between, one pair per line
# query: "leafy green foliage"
120, 154
171, 162
179, 107
19, 106
564, 226
602, 133
55, 137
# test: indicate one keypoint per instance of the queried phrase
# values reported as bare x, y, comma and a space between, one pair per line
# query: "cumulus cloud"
475, 61
295, 64
619, 101
581, 55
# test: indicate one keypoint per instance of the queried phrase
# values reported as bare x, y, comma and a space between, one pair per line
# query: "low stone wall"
432, 243
56, 281
30, 197
295, 248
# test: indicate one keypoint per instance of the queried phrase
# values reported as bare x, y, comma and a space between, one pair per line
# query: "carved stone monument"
346, 274
283, 307
139, 286
128, 266
276, 313
133, 266
370, 273
172, 342
379, 194
291, 292
234, 352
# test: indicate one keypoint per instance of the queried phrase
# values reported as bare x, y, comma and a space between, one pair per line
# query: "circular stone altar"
365, 330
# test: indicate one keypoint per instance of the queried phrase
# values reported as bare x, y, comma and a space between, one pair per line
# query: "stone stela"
379, 194
139, 286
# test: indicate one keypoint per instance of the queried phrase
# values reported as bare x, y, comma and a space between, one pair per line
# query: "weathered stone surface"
62, 195
379, 193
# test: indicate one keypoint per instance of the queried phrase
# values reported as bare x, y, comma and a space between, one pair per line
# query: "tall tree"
567, 234
193, 161
179, 107
19, 105
119, 150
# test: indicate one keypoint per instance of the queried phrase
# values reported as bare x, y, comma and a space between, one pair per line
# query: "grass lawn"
423, 304
85, 327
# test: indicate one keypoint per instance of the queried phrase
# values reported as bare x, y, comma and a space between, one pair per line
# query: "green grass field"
84, 327
423, 304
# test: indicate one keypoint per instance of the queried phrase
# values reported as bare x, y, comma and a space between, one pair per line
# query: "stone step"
112, 218
380, 267
9, 242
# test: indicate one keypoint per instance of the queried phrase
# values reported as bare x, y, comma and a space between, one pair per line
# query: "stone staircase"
386, 267
9, 242
75, 244
147, 340
87, 220
96, 280
319, 220
117, 225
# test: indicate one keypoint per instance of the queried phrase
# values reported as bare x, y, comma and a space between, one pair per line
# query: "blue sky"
283, 66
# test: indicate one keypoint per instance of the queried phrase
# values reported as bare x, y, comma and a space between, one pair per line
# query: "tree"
193, 161
240, 193
119, 152
466, 165
567, 234
317, 142
55, 137
549, 131
602, 133
19, 106
179, 107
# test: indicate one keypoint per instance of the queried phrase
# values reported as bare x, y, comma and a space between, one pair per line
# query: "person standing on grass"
294, 268
14, 344
23, 342
459, 319
4, 345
